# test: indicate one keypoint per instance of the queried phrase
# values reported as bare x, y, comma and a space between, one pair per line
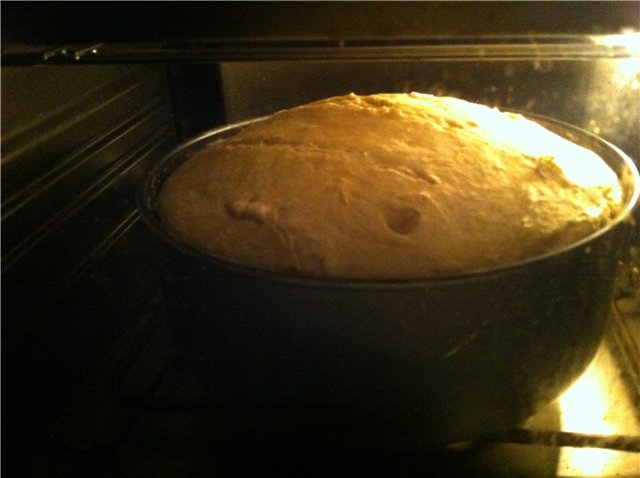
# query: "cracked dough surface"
388, 186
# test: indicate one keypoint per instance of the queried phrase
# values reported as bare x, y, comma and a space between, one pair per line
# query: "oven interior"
92, 384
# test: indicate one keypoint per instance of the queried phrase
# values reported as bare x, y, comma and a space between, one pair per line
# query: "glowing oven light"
628, 39
627, 70
584, 409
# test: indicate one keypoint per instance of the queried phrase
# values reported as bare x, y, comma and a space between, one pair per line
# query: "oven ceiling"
53, 22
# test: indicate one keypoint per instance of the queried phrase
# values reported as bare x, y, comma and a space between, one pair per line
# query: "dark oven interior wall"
196, 96
76, 261
41, 22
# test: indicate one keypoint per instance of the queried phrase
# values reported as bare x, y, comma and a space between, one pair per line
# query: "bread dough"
388, 186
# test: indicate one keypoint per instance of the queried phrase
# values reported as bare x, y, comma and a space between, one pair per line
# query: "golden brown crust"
388, 186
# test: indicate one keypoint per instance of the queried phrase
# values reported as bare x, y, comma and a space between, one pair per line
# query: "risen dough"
388, 186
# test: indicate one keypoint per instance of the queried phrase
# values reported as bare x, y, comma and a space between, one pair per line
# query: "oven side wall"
75, 259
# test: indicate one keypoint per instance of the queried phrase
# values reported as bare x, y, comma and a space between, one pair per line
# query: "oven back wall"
75, 263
